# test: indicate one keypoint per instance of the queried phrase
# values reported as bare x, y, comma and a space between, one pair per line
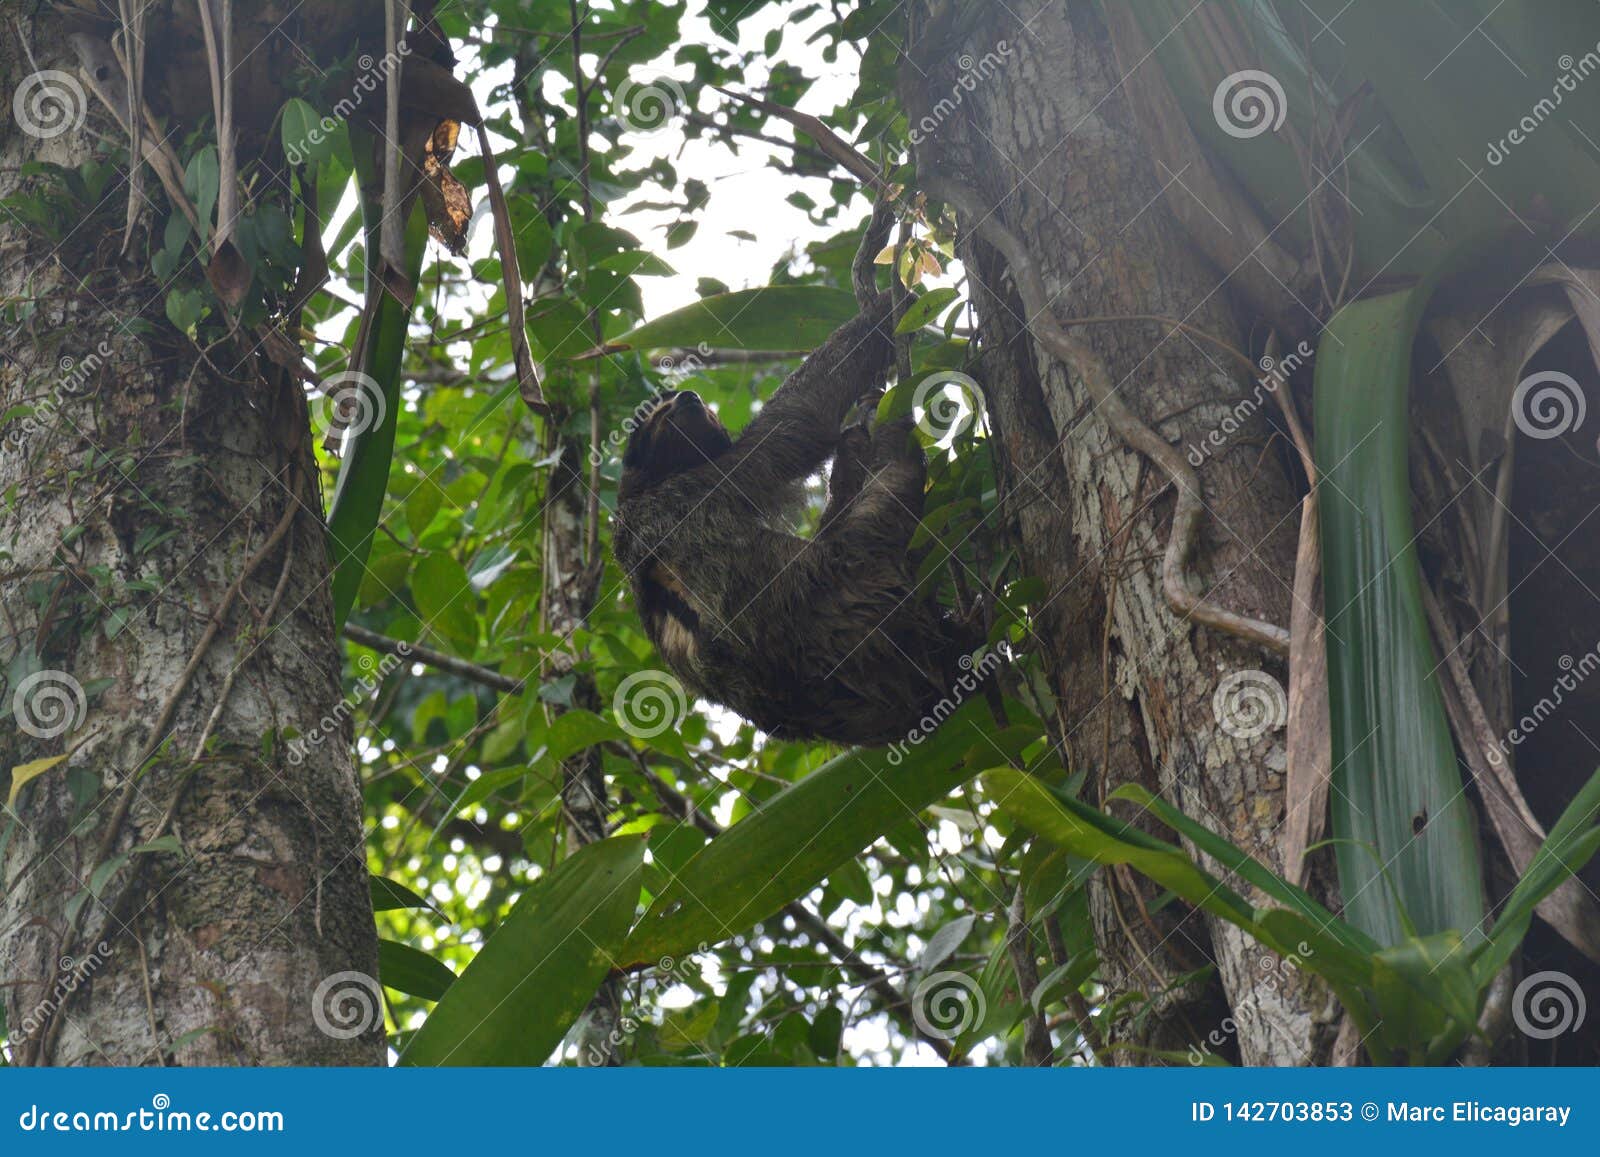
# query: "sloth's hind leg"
875, 511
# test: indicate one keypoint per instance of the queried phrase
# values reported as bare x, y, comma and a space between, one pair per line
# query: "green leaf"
421, 505
982, 1009
364, 472
577, 730
537, 973
1094, 835
389, 896
777, 318
791, 843
486, 785
1407, 839
185, 308
304, 141
408, 970
925, 309
445, 599
1571, 844
201, 181
1248, 869
827, 1030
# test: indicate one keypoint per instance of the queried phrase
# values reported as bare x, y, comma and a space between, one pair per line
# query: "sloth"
820, 638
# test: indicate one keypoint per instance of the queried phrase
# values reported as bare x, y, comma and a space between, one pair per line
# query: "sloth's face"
678, 433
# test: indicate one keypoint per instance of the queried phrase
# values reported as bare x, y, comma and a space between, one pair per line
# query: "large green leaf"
779, 318
1092, 834
1407, 839
789, 845
413, 971
534, 977
1571, 844
1248, 869
364, 472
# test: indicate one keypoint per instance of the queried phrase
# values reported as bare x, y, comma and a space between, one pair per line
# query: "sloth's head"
677, 433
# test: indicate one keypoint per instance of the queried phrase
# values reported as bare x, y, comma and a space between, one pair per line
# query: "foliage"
1413, 1001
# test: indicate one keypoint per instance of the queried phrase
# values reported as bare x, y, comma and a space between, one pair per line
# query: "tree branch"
438, 659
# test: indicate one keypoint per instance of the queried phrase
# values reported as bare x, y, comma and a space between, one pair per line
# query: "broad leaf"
534, 977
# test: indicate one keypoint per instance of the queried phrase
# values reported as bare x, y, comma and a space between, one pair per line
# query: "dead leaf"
22, 774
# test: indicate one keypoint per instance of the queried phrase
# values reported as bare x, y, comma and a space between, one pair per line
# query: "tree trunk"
167, 626
1048, 141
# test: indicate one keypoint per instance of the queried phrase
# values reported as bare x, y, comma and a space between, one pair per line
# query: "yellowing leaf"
22, 773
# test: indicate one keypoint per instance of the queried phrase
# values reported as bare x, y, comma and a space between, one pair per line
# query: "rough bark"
1050, 143
144, 487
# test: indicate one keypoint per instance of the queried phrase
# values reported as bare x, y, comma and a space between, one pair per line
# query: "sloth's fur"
820, 638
